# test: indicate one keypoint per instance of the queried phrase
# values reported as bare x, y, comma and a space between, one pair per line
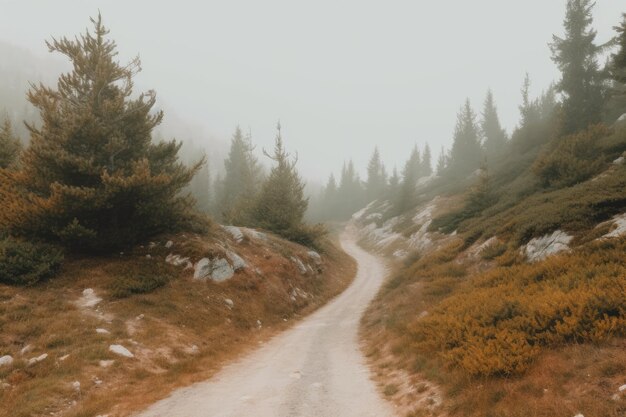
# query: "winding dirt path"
315, 369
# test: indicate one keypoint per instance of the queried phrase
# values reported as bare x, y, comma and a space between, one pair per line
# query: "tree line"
94, 178
586, 95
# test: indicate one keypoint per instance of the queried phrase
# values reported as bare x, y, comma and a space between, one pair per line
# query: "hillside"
177, 329
515, 309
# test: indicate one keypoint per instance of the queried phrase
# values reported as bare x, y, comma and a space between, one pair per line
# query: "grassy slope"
160, 327
498, 337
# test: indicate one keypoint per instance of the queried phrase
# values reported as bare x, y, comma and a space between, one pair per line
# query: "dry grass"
160, 327
430, 311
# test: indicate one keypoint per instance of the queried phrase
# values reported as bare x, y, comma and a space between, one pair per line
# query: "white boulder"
202, 269
6, 360
37, 359
217, 269
236, 260
121, 350
229, 302
106, 363
542, 247
620, 230
102, 331
169, 244
315, 257
299, 264
89, 299
221, 270
235, 232
26, 349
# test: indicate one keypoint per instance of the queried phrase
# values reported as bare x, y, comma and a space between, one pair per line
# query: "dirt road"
314, 369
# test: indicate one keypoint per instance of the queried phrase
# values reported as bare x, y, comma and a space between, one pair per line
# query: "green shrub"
24, 263
138, 276
572, 159
304, 234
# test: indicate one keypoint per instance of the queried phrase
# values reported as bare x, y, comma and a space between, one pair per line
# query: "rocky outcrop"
217, 269
542, 247
235, 232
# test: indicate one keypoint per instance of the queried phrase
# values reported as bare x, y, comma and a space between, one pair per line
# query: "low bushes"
24, 263
138, 276
498, 322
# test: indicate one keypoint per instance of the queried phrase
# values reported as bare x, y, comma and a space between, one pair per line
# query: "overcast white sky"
342, 76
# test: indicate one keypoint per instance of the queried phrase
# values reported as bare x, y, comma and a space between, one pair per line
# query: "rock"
620, 230
76, 386
5, 385
622, 388
26, 349
202, 269
542, 247
64, 357
121, 350
620, 119
102, 331
221, 270
140, 317
169, 244
259, 324
619, 161
255, 234
96, 381
192, 350
236, 260
315, 257
106, 363
177, 260
235, 232
148, 256
579, 415
299, 264
33, 361
89, 299
218, 269
6, 360
229, 302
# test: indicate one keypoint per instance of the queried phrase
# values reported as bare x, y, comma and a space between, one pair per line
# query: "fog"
341, 77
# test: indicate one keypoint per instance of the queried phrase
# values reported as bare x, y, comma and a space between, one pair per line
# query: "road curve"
314, 369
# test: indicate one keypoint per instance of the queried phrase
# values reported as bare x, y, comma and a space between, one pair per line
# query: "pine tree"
576, 57
10, 146
376, 177
442, 162
617, 70
106, 184
281, 204
200, 187
465, 155
427, 167
241, 181
410, 174
494, 136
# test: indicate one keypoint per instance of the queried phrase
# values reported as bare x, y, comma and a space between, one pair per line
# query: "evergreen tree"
465, 155
442, 162
427, 167
241, 181
410, 174
494, 136
200, 187
376, 177
10, 146
617, 70
106, 184
576, 57
281, 204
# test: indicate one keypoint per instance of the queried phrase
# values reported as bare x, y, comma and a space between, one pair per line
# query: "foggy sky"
342, 76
